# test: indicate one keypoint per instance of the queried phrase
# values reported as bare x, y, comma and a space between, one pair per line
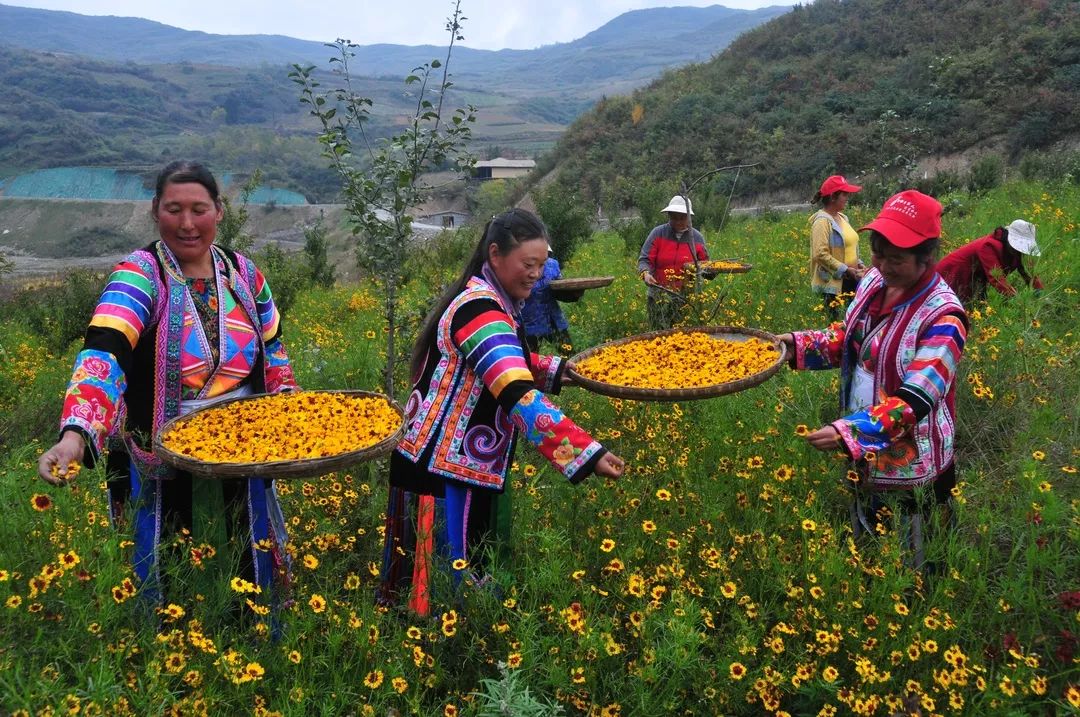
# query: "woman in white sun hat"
664, 255
989, 260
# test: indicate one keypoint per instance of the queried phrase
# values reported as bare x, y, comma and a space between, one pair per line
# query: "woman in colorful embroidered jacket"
474, 390
898, 349
181, 324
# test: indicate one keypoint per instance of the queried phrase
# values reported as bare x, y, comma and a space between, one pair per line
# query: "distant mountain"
853, 86
633, 47
125, 92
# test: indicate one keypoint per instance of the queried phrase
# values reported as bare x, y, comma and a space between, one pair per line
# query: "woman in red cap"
898, 349
835, 267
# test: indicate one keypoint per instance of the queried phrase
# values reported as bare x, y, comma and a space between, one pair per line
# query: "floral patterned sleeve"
547, 372
816, 350
485, 335
279, 373
927, 381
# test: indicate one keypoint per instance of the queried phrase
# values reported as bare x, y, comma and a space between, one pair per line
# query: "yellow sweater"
834, 246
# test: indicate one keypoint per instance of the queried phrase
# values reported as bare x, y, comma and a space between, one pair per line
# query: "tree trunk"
391, 324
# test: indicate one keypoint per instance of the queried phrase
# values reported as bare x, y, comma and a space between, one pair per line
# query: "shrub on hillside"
567, 216
59, 311
986, 173
286, 273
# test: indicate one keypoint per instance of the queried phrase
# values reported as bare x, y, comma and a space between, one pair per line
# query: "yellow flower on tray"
283, 427
720, 265
678, 360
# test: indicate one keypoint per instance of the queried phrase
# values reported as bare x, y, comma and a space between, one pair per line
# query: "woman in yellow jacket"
835, 267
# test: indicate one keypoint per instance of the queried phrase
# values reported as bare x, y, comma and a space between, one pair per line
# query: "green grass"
707, 508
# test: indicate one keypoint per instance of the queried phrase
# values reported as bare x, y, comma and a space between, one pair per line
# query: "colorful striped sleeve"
279, 373
491, 347
269, 316
485, 335
126, 303
926, 383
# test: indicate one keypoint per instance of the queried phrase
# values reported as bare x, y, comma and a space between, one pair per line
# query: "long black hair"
506, 231
185, 171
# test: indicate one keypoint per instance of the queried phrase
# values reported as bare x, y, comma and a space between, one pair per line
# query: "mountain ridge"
126, 39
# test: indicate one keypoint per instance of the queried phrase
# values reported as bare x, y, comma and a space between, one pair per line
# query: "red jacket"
665, 257
971, 267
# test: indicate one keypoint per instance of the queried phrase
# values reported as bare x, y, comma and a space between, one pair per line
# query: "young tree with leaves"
379, 195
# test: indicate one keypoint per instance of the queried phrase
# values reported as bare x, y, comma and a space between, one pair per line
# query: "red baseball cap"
837, 183
908, 218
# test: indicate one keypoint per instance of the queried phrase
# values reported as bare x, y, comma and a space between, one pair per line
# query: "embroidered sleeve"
279, 373
816, 350
547, 372
485, 335
93, 397
926, 383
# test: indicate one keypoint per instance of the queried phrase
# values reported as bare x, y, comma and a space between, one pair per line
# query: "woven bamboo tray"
710, 272
730, 333
581, 283
302, 468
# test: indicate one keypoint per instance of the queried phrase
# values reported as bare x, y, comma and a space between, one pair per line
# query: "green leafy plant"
509, 696
315, 246
379, 195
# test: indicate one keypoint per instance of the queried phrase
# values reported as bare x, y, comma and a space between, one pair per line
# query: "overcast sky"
492, 24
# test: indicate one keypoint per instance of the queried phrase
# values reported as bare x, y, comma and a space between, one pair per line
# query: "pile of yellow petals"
679, 360
721, 265
284, 427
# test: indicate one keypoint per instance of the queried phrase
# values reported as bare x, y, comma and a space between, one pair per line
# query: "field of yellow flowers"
718, 576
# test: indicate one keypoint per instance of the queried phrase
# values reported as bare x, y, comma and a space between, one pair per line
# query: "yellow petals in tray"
711, 268
282, 435
680, 363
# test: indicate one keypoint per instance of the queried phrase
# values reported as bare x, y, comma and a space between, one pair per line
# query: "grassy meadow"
718, 576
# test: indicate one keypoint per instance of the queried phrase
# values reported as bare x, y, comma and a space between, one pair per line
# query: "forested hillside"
851, 86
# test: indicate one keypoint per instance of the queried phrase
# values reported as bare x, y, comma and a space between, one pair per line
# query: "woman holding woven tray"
663, 259
897, 348
475, 389
182, 323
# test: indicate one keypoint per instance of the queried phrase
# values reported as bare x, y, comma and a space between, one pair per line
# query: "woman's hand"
648, 278
567, 379
69, 449
826, 439
610, 466
788, 340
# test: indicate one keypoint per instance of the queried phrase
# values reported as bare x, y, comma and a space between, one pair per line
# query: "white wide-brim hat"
678, 205
1022, 237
